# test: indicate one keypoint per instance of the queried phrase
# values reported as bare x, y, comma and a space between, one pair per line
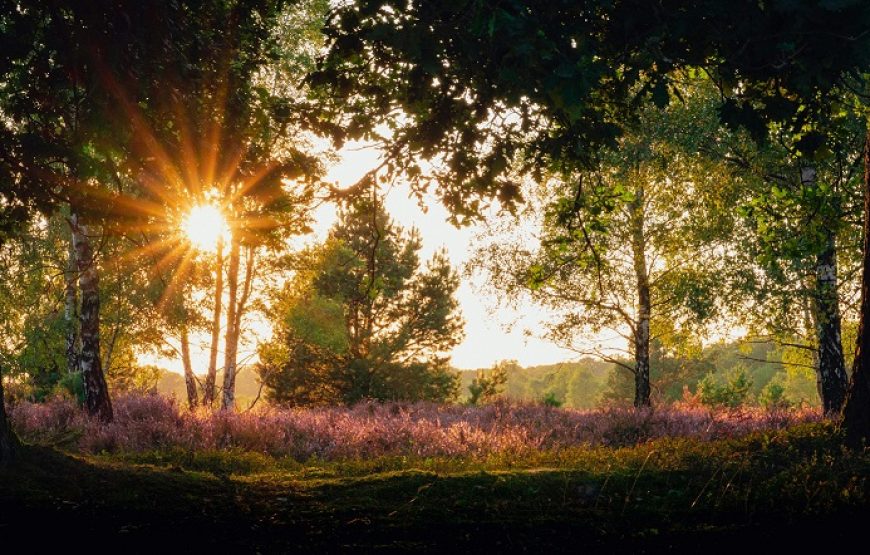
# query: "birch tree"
632, 252
802, 235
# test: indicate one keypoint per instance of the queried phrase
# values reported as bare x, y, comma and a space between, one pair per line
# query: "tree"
799, 234
486, 386
20, 198
856, 411
731, 394
53, 108
478, 85
211, 373
633, 247
35, 309
269, 200
362, 318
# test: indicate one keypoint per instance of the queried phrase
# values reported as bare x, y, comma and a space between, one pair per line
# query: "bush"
773, 396
486, 386
732, 394
550, 400
73, 386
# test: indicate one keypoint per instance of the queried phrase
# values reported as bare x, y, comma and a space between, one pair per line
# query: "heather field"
433, 478
145, 423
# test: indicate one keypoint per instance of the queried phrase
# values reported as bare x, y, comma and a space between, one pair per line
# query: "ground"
774, 490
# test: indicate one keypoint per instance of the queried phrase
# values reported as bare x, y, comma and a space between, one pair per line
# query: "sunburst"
204, 226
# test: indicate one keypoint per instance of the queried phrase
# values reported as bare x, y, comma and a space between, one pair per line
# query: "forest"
225, 322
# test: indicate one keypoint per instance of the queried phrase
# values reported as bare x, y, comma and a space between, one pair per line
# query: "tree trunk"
231, 338
71, 303
8, 441
237, 307
189, 378
97, 399
856, 412
246, 289
831, 368
642, 329
211, 376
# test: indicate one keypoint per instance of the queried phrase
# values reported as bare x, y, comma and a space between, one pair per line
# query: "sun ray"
251, 182
177, 280
212, 144
143, 132
230, 172
189, 159
170, 257
149, 249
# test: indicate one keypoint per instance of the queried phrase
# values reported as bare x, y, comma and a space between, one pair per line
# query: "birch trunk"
211, 376
189, 378
828, 360
832, 377
232, 334
70, 313
97, 399
856, 412
642, 326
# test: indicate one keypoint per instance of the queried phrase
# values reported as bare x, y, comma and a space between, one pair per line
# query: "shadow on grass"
51, 499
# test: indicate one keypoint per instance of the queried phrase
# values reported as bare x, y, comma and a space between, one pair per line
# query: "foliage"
773, 396
134, 378
362, 318
589, 383
733, 393
71, 385
479, 86
550, 400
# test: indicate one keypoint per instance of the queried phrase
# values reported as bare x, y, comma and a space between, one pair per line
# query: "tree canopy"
480, 87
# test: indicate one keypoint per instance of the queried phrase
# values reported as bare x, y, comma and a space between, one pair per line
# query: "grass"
795, 485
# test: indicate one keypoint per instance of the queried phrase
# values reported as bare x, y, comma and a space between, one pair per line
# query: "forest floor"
786, 489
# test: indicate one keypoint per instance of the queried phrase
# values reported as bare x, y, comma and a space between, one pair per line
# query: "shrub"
550, 400
732, 394
72, 385
773, 396
486, 386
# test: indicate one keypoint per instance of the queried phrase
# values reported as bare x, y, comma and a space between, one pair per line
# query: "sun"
204, 226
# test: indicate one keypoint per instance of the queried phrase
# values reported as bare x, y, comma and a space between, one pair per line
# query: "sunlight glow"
204, 226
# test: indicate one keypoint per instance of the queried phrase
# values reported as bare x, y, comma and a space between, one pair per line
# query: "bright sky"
492, 333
